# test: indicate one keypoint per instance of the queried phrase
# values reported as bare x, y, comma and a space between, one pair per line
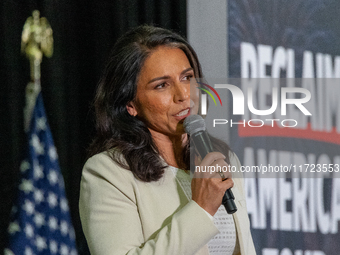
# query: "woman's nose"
182, 92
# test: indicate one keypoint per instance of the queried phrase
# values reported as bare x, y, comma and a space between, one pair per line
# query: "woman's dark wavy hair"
118, 132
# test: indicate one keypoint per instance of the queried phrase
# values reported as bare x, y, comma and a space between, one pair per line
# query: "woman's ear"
131, 108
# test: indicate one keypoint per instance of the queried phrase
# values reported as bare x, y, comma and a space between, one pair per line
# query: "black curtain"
84, 32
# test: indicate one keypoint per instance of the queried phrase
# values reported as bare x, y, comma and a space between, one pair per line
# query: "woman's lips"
182, 114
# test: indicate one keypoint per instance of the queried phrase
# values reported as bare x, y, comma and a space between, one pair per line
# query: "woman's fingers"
211, 164
211, 157
208, 192
227, 184
208, 186
221, 168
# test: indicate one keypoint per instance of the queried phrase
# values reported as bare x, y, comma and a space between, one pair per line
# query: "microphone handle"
228, 202
203, 146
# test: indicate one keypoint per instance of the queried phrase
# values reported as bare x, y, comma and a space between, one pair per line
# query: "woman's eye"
188, 77
160, 86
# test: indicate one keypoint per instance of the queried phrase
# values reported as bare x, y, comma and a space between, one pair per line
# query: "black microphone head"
193, 124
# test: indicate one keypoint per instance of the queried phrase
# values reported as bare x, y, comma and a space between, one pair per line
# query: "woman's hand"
208, 188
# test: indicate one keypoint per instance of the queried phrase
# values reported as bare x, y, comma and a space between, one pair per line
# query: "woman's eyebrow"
159, 78
187, 70
168, 77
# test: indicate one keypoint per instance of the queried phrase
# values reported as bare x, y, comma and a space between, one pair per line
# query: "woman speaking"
137, 196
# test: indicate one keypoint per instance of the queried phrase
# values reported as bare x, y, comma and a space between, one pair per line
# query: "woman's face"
163, 91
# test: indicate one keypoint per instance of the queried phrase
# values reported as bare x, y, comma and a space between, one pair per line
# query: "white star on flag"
64, 205
8, 252
29, 231
26, 186
52, 152
38, 171
63, 249
37, 145
39, 219
53, 246
41, 124
24, 166
28, 207
13, 227
28, 251
53, 223
52, 200
38, 196
52, 177
63, 228
41, 243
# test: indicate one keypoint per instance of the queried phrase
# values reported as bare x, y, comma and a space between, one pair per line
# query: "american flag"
41, 222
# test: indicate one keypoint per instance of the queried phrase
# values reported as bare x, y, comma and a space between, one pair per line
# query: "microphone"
194, 125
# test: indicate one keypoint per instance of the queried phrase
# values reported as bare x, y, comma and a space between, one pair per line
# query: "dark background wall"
84, 32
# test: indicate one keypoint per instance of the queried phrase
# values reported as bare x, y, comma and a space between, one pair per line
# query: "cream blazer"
122, 215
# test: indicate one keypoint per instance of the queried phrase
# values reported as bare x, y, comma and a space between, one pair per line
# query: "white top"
225, 242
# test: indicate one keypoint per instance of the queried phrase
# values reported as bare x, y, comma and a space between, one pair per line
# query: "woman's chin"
180, 128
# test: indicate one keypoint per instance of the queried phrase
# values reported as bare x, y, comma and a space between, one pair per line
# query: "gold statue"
36, 40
